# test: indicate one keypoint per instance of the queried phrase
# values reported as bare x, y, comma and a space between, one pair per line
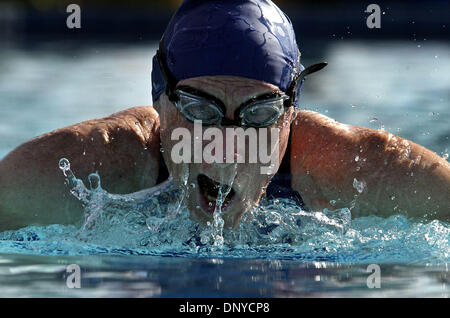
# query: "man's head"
230, 63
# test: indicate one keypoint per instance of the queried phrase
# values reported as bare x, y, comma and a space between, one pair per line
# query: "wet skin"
399, 175
123, 148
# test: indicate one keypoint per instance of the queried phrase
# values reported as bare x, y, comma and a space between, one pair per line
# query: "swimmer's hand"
370, 171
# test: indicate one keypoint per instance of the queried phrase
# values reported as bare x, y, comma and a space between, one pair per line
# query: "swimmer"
230, 64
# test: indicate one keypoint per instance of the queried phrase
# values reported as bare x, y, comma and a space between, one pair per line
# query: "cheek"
285, 129
171, 120
277, 141
250, 182
284, 138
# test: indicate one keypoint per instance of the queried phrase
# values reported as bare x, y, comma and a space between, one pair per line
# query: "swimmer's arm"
331, 161
123, 148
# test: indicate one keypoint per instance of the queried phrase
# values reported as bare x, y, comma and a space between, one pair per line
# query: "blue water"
128, 246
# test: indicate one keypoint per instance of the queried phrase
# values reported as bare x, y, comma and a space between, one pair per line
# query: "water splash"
226, 183
360, 186
155, 217
156, 222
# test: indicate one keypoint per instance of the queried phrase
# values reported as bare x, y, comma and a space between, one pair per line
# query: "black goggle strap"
292, 90
168, 77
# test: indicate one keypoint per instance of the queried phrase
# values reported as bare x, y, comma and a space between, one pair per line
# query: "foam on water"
156, 222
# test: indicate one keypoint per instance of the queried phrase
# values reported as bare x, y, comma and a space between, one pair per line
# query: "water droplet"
357, 158
94, 181
393, 197
64, 164
445, 156
359, 185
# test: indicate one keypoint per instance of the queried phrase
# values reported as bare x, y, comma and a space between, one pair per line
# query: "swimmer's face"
246, 179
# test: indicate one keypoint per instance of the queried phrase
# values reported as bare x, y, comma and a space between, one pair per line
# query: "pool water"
143, 246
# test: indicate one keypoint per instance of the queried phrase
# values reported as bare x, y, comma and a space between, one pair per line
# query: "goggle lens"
195, 108
263, 114
257, 114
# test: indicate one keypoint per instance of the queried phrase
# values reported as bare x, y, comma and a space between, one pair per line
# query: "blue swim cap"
247, 38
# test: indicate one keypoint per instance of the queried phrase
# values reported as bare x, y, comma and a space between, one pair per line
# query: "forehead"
232, 90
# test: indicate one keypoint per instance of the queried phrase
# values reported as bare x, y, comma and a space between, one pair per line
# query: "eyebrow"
201, 93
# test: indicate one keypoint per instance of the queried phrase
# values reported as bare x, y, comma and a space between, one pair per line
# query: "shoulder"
124, 148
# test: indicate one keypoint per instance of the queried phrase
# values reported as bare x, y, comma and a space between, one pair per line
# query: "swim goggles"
261, 111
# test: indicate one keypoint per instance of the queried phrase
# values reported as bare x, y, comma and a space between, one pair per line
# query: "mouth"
209, 191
